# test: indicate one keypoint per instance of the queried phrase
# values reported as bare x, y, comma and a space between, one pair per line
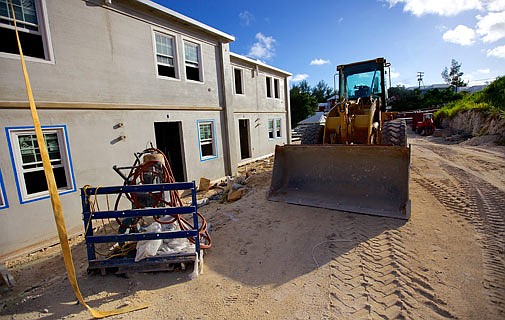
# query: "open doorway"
169, 140
245, 150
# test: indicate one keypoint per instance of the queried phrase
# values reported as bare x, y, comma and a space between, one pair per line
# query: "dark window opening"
166, 71
276, 88
269, 87
207, 150
238, 81
36, 181
192, 73
32, 44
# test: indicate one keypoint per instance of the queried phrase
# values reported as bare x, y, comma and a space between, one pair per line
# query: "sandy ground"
273, 260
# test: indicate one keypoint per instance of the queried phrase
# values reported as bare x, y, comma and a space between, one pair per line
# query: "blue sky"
310, 38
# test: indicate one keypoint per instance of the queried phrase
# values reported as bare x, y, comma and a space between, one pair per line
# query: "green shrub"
490, 101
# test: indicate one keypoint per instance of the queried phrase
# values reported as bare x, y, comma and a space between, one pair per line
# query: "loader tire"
394, 133
313, 134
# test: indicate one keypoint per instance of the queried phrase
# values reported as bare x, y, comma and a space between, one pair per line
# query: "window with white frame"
192, 61
269, 87
276, 88
165, 55
239, 89
3, 198
31, 26
270, 128
27, 161
278, 132
207, 139
274, 128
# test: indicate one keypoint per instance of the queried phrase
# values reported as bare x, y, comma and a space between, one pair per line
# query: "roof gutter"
183, 18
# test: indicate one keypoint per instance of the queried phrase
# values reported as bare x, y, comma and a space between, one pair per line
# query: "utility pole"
420, 75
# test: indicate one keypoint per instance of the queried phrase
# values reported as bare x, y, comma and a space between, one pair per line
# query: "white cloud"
299, 77
394, 74
264, 48
319, 62
491, 26
439, 7
246, 18
460, 35
484, 71
498, 52
495, 5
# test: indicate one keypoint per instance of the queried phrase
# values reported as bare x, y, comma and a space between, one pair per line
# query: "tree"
453, 75
303, 103
322, 91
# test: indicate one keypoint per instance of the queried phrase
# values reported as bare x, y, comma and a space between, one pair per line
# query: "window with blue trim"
27, 161
3, 197
207, 139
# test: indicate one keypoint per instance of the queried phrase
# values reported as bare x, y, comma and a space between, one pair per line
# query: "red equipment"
424, 126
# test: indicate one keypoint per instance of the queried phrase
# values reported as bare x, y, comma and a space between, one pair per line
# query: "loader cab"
362, 80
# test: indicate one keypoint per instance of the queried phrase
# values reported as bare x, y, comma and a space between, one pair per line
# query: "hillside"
480, 115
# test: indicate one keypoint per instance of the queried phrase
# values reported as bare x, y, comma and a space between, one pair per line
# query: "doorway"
243, 127
169, 140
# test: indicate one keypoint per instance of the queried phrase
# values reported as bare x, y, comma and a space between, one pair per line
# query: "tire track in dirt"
480, 204
376, 278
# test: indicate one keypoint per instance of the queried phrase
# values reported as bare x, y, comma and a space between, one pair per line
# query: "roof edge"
259, 63
184, 18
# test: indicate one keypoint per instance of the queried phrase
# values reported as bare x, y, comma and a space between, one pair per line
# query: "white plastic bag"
148, 248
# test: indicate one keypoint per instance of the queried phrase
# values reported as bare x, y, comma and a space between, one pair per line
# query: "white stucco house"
109, 78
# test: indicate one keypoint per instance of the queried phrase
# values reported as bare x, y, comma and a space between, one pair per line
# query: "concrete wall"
255, 106
103, 55
102, 73
94, 149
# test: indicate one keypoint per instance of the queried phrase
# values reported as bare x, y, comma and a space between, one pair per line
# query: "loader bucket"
369, 179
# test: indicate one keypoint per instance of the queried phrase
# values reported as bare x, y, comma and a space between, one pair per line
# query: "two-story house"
110, 78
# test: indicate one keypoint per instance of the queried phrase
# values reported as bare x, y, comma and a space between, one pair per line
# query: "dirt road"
277, 261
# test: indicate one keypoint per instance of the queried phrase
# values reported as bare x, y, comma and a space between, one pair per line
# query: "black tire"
394, 133
313, 134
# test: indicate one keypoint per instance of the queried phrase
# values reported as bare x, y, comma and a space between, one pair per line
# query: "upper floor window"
237, 73
207, 139
31, 27
165, 55
269, 87
276, 88
27, 161
192, 61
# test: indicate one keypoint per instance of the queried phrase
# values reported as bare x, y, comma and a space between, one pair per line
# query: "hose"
153, 171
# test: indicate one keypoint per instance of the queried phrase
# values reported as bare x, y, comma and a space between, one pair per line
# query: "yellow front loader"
358, 161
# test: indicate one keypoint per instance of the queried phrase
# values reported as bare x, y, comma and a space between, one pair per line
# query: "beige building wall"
100, 82
257, 108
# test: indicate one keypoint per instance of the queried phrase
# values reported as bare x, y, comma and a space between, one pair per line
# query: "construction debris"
7, 278
204, 184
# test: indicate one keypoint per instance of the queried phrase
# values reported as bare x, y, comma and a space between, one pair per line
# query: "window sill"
206, 158
43, 195
27, 58
167, 78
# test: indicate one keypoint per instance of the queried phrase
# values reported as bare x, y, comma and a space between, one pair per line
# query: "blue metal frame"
67, 153
214, 136
5, 204
91, 239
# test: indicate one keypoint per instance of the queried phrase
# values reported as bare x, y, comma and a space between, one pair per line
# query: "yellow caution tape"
55, 198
